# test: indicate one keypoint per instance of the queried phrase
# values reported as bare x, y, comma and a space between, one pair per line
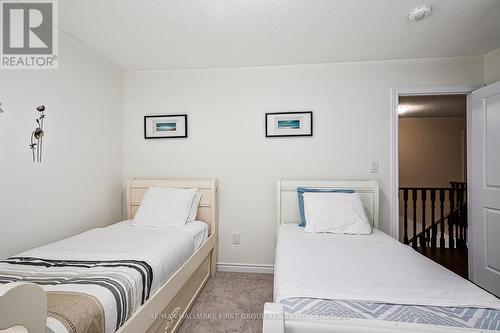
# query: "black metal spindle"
464, 216
405, 220
423, 194
441, 209
414, 198
433, 218
451, 219
460, 219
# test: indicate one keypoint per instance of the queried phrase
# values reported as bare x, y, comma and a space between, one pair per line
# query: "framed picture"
282, 124
165, 126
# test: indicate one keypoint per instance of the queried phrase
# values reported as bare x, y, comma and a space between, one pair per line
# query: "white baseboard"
244, 268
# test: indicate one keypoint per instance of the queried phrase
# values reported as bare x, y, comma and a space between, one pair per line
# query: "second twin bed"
334, 282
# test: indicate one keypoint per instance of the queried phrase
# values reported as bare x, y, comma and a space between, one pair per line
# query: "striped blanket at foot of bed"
85, 296
485, 319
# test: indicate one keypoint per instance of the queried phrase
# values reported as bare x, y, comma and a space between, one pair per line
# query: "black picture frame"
268, 135
166, 136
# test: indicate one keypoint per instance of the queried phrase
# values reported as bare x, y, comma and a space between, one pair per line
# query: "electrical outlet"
374, 166
236, 239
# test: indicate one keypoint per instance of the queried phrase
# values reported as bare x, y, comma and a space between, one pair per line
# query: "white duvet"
375, 268
164, 249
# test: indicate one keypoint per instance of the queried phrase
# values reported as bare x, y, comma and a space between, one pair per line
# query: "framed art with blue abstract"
165, 126
286, 124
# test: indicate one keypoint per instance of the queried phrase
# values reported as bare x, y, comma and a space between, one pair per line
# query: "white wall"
79, 184
431, 151
351, 104
492, 66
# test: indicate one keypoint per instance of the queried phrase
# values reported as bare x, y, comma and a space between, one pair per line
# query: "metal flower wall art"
36, 145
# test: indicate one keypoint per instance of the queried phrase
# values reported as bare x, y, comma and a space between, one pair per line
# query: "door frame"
465, 89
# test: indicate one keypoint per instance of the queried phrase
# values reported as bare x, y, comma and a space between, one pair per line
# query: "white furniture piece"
276, 320
25, 305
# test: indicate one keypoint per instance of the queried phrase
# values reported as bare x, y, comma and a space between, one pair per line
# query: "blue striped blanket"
485, 319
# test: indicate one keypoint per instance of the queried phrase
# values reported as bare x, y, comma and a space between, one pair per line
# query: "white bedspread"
199, 230
164, 249
374, 268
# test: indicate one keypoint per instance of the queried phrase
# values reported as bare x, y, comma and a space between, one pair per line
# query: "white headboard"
207, 211
287, 205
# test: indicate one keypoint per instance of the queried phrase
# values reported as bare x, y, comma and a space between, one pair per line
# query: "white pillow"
340, 213
194, 207
165, 207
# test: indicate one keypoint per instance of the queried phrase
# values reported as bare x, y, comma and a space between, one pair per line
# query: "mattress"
373, 277
106, 273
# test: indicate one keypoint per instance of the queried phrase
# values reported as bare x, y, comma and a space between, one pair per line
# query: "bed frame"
287, 211
24, 305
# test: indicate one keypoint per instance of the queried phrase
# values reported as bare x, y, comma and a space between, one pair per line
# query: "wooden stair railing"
450, 210
430, 233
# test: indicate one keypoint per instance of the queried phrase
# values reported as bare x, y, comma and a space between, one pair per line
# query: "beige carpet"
230, 302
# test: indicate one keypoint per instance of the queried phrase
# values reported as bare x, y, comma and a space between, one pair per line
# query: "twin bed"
364, 283
125, 277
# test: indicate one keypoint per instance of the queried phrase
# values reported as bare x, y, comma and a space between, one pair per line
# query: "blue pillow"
302, 190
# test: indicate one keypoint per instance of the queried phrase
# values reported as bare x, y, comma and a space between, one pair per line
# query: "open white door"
484, 187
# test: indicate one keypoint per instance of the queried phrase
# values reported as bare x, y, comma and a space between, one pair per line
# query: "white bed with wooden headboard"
364, 283
26, 304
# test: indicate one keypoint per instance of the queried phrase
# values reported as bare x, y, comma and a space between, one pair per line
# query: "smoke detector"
419, 13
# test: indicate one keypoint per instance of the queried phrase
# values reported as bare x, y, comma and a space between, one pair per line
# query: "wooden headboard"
207, 211
287, 206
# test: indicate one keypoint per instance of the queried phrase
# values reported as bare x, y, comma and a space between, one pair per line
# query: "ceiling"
168, 34
432, 106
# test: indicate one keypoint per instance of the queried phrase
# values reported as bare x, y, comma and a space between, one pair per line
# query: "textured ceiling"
166, 34
433, 106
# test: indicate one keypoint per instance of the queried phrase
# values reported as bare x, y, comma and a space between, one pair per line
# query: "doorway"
396, 210
483, 165
432, 177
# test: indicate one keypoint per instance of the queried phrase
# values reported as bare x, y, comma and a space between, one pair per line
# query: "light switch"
236, 239
374, 166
